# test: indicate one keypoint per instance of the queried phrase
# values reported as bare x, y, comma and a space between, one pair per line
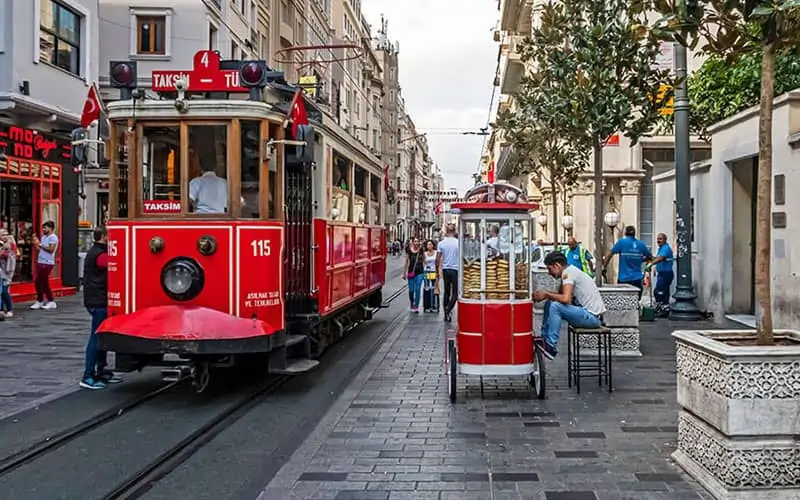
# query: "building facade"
389, 54
628, 170
48, 52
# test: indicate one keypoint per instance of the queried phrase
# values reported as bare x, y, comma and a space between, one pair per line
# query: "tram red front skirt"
184, 329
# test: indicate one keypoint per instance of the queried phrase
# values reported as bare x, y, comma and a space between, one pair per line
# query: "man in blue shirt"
632, 254
579, 257
665, 275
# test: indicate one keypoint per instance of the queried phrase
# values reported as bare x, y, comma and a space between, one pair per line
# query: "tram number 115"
261, 248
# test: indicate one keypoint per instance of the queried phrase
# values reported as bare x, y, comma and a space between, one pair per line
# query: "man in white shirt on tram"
579, 302
208, 193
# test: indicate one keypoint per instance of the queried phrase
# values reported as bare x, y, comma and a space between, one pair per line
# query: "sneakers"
550, 352
36, 305
46, 305
50, 305
9, 314
92, 384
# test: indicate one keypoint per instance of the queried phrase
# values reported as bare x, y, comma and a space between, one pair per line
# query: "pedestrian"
8, 264
449, 256
664, 274
579, 257
430, 285
632, 255
414, 268
578, 302
95, 299
46, 247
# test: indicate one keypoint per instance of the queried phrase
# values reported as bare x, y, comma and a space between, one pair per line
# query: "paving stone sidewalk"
41, 354
394, 434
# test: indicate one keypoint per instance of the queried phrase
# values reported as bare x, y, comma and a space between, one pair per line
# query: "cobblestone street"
395, 435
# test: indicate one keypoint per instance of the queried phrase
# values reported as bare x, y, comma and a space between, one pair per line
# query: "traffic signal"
123, 76
255, 75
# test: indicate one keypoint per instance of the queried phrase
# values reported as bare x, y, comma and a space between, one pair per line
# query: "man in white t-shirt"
579, 302
449, 255
208, 193
45, 261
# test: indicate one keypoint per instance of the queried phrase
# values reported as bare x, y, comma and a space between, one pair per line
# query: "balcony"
515, 16
512, 68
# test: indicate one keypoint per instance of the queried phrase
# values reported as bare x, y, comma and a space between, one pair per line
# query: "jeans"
663, 284
414, 290
96, 360
42, 282
450, 277
5, 298
555, 312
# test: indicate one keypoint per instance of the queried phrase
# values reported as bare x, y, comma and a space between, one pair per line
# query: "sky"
447, 65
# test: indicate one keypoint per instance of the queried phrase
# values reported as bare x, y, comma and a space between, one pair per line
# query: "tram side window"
251, 167
161, 170
498, 248
374, 199
360, 200
340, 191
208, 169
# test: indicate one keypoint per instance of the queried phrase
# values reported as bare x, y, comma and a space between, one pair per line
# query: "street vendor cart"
495, 334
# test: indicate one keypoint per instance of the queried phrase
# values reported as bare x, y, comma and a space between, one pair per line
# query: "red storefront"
34, 168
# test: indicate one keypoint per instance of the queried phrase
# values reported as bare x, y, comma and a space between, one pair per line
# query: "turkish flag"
91, 108
297, 112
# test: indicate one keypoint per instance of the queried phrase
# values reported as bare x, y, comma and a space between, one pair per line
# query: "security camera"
181, 84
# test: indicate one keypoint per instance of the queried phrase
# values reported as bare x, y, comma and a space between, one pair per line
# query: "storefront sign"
32, 145
161, 207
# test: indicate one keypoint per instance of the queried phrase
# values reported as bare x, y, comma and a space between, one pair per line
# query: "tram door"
298, 257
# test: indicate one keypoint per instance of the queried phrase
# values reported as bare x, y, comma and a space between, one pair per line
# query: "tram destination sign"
206, 76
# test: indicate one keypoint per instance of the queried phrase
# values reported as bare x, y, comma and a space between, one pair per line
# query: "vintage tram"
495, 335
236, 232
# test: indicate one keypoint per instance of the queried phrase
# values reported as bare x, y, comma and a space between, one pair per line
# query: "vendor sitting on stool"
579, 302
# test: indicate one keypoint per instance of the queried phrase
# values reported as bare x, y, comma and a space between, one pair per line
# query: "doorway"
17, 216
743, 230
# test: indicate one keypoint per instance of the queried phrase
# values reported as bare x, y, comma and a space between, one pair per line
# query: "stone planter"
622, 316
739, 421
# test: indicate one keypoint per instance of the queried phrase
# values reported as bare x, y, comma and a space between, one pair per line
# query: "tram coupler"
175, 373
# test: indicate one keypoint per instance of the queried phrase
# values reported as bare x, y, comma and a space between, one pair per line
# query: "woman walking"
8, 264
430, 285
415, 268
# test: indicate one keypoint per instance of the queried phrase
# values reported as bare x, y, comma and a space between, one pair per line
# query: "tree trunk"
763, 236
598, 209
555, 212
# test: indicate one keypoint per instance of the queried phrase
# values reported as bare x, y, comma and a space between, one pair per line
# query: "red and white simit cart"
495, 335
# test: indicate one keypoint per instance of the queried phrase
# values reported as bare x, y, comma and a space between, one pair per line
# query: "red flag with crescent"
92, 107
297, 112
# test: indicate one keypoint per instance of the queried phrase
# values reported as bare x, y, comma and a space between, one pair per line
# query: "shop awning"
28, 111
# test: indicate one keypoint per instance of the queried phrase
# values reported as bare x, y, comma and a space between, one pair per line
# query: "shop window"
60, 36
208, 169
161, 171
251, 166
151, 35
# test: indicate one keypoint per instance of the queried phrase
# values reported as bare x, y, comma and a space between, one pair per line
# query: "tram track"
146, 477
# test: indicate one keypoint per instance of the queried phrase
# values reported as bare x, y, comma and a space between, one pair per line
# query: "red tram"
234, 235
495, 335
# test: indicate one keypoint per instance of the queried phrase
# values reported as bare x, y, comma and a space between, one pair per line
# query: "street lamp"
567, 222
685, 308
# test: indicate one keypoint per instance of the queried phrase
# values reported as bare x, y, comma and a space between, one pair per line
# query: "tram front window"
161, 171
208, 150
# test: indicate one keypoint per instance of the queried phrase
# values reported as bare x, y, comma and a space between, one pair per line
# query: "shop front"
37, 184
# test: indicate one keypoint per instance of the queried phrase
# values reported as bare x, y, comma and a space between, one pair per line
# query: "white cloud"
447, 64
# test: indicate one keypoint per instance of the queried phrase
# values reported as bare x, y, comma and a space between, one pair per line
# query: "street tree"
595, 61
731, 29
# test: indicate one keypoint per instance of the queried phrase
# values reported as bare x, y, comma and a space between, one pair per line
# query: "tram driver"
208, 193
578, 302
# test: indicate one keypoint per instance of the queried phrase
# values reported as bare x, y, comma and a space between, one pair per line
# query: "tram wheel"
452, 362
537, 377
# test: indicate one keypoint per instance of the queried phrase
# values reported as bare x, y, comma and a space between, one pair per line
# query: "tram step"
297, 366
292, 339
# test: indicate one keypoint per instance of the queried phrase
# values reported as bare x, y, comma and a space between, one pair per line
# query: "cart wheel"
452, 361
537, 377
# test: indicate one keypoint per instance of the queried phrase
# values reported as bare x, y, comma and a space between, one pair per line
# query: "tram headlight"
182, 279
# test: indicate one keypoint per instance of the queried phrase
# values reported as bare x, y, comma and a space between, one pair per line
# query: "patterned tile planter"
739, 421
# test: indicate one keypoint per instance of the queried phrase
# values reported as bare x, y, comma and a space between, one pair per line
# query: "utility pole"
684, 308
